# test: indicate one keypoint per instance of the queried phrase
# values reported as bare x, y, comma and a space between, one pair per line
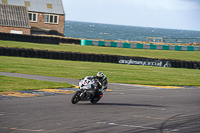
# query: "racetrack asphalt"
128, 108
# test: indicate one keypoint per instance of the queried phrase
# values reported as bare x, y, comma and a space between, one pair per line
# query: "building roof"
45, 6
15, 16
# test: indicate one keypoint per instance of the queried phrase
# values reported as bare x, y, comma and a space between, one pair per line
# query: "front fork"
82, 95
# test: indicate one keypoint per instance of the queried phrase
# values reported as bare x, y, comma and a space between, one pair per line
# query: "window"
27, 3
51, 19
46, 18
32, 17
49, 6
4, 2
55, 19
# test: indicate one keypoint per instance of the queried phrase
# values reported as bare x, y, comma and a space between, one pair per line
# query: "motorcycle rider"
102, 81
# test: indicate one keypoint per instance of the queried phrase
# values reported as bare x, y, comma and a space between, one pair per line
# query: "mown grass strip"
117, 73
21, 84
162, 54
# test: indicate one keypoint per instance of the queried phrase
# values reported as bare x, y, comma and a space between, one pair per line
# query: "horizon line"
132, 25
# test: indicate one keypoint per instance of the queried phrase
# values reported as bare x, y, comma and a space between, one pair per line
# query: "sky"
169, 14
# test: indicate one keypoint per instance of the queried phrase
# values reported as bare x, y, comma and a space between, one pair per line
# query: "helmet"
100, 74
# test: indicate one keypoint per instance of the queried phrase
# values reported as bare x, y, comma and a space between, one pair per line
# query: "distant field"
117, 73
162, 54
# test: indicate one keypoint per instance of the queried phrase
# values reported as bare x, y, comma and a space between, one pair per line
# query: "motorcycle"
88, 91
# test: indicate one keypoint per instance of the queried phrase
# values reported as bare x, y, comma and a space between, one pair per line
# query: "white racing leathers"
102, 82
105, 84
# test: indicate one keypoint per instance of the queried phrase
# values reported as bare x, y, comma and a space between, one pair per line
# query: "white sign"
16, 32
145, 62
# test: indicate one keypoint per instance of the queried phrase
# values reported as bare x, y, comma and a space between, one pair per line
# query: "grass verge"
162, 54
117, 73
19, 84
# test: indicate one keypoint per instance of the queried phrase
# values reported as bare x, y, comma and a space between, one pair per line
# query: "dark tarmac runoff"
127, 108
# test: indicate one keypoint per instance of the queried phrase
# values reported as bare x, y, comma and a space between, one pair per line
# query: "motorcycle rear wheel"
76, 97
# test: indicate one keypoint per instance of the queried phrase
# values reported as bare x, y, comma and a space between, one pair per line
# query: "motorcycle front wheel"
76, 97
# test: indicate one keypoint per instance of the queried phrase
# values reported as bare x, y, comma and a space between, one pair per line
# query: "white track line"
124, 125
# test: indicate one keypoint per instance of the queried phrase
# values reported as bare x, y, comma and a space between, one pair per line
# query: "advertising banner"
144, 62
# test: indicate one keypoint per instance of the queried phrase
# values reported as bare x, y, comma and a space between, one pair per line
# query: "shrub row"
5, 51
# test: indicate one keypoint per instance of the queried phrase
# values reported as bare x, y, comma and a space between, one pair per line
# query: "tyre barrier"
37, 39
32, 53
69, 41
29, 38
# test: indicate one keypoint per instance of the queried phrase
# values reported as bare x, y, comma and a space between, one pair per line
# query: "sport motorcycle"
88, 91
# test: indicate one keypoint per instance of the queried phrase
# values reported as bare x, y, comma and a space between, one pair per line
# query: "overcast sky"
171, 14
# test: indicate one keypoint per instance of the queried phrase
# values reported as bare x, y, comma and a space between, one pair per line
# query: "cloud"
179, 4
150, 13
157, 4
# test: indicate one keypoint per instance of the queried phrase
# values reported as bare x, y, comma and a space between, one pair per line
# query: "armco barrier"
31, 53
139, 46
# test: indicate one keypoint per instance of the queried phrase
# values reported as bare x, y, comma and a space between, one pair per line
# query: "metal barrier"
140, 46
176, 40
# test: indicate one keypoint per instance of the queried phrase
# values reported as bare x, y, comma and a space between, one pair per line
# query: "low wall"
31, 53
140, 46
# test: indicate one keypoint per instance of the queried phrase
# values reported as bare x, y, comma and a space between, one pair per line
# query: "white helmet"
100, 74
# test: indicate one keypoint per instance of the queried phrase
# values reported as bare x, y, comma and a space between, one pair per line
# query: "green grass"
117, 73
19, 84
162, 54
